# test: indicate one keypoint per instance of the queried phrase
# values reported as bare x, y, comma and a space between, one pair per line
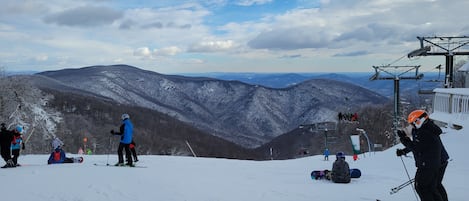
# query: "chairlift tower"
396, 73
442, 46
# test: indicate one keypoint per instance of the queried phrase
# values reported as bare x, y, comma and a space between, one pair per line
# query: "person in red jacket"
132, 149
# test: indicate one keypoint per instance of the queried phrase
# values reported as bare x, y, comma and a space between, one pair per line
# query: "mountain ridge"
249, 115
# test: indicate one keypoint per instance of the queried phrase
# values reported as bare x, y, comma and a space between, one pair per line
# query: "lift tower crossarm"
397, 76
448, 47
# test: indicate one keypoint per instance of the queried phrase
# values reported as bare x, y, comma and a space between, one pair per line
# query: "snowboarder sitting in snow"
58, 157
340, 169
17, 144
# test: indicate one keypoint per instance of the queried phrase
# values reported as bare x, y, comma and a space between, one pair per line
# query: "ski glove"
401, 133
22, 146
400, 152
112, 132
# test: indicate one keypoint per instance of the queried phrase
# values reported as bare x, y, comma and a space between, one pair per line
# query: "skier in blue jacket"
126, 133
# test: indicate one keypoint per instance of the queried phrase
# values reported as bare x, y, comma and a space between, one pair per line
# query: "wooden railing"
451, 106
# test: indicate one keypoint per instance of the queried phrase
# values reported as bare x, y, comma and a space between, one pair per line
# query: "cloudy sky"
181, 36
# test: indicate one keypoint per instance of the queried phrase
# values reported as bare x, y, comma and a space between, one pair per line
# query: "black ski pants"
426, 182
128, 154
16, 154
5, 151
440, 187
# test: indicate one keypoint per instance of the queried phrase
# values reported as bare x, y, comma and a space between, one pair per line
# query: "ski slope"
171, 178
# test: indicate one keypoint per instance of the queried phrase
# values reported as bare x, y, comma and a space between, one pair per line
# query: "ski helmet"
417, 118
19, 128
340, 155
125, 116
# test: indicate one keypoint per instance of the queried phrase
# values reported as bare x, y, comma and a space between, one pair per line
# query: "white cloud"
85, 16
167, 51
143, 52
146, 53
212, 46
252, 2
41, 57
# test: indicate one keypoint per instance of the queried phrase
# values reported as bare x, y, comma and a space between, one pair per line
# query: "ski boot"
10, 164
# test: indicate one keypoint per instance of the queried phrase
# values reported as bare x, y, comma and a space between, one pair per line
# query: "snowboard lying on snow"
322, 174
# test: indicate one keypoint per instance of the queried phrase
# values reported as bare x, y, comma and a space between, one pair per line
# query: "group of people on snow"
11, 143
347, 116
126, 143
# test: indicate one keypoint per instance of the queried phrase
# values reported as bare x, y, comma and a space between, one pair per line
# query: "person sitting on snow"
58, 157
340, 169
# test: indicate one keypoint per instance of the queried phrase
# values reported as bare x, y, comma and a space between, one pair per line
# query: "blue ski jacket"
16, 142
57, 156
126, 131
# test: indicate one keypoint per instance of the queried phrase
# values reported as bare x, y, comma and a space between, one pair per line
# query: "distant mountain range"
246, 114
282, 80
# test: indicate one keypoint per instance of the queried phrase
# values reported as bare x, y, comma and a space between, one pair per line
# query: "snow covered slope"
170, 178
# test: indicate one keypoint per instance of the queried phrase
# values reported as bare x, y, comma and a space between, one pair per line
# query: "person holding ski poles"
126, 133
17, 144
426, 148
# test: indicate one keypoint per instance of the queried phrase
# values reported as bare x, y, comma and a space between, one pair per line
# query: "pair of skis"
108, 165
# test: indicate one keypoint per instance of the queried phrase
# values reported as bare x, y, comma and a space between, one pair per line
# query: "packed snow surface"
172, 178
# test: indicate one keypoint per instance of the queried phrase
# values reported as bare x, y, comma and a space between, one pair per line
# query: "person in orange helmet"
429, 155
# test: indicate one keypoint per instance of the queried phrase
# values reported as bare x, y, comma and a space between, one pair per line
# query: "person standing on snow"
126, 133
17, 144
326, 154
427, 149
132, 149
6, 137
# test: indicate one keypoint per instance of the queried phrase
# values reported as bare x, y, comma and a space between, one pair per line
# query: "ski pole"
109, 151
408, 176
396, 189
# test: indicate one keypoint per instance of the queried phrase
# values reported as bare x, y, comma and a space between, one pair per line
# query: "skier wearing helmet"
126, 133
17, 144
429, 155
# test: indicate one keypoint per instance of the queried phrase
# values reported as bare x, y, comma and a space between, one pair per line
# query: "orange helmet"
417, 118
